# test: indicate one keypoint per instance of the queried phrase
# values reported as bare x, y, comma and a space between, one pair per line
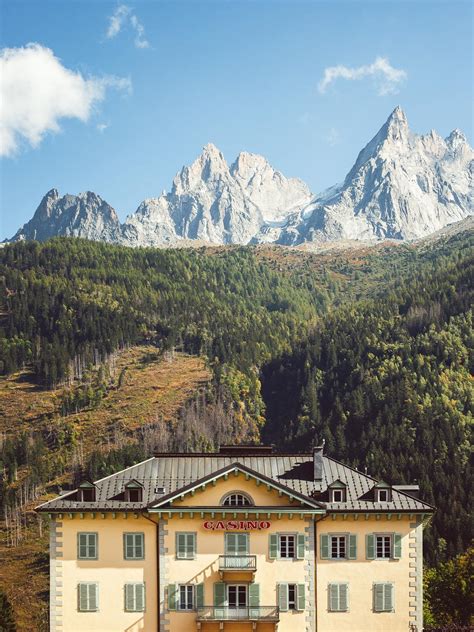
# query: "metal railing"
237, 562
240, 613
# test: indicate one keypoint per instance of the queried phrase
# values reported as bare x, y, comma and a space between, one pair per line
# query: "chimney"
318, 464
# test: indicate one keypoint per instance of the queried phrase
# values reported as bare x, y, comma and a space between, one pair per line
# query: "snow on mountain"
402, 186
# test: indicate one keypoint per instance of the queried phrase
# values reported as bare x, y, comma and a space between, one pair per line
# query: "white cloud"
37, 91
122, 17
102, 127
386, 77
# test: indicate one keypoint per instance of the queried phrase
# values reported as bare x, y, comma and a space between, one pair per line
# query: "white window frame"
232, 500
341, 491
292, 604
391, 544
134, 609
188, 593
188, 554
295, 545
88, 534
339, 536
134, 556
383, 491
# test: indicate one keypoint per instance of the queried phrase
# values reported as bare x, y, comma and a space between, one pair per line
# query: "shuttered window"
87, 548
88, 597
291, 596
134, 597
134, 546
236, 543
186, 597
200, 595
383, 597
185, 545
338, 546
338, 597
382, 546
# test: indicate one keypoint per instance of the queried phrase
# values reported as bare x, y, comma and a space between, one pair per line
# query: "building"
240, 540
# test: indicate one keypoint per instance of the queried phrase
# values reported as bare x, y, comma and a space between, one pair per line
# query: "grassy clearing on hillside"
143, 388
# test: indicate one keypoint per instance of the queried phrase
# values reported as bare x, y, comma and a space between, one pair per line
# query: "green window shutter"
254, 595
352, 546
324, 547
200, 595
397, 545
300, 546
128, 548
370, 546
378, 597
82, 596
93, 597
172, 596
93, 538
273, 546
282, 597
139, 548
230, 543
140, 597
180, 545
129, 598
242, 543
343, 597
333, 597
192, 545
81, 545
219, 594
300, 602
388, 597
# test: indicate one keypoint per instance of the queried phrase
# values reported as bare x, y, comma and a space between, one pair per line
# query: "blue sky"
243, 75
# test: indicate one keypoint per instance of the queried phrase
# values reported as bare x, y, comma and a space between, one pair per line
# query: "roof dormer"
86, 492
337, 492
382, 492
133, 492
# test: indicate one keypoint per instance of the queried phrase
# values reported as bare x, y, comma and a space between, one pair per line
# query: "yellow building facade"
243, 540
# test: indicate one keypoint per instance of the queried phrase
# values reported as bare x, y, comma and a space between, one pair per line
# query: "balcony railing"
238, 563
240, 613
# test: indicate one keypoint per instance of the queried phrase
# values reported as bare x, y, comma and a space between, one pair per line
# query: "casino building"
237, 541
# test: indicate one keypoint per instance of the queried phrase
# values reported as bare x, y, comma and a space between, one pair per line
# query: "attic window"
133, 492
237, 500
338, 495
382, 495
86, 492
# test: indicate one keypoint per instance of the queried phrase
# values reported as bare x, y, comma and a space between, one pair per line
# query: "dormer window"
86, 492
337, 492
382, 493
133, 492
237, 499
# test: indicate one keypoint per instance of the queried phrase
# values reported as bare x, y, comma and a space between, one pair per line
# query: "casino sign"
236, 525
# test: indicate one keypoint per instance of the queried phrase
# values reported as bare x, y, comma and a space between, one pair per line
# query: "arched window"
237, 499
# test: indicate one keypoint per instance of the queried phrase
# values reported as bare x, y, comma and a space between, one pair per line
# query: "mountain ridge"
402, 186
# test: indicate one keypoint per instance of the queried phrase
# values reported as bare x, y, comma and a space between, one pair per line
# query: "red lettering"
264, 524
208, 524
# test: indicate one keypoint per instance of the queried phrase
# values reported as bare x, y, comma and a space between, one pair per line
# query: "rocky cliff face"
402, 186
85, 215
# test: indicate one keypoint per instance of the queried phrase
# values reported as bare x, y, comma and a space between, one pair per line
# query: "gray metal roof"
293, 471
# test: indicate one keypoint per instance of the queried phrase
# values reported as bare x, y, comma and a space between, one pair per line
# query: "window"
236, 543
186, 597
87, 495
381, 546
185, 546
291, 597
383, 597
134, 597
133, 546
87, 546
237, 500
338, 546
383, 495
338, 597
287, 546
133, 495
88, 597
338, 495
237, 596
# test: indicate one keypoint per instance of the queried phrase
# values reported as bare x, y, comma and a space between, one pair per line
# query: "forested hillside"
370, 349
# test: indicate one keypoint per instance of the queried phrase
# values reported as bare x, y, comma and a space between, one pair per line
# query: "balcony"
240, 613
237, 564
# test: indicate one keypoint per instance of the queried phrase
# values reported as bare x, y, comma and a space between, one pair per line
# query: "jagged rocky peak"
47, 204
396, 128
